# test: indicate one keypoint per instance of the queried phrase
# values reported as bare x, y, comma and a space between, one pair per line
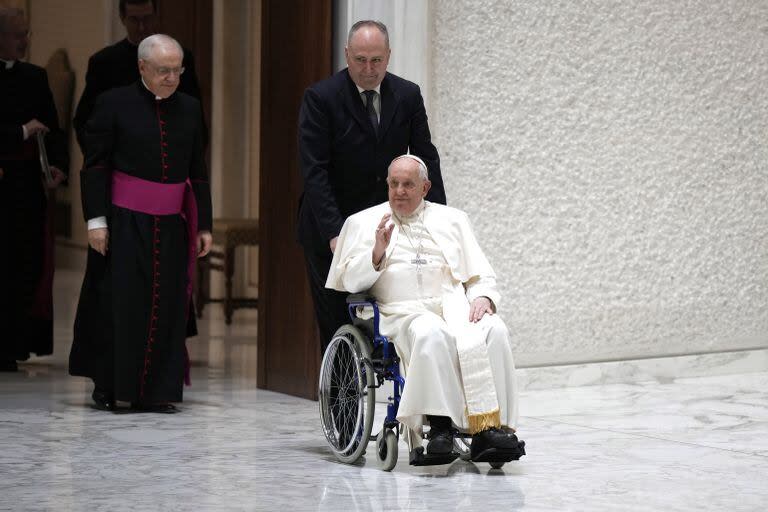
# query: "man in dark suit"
115, 65
26, 272
351, 126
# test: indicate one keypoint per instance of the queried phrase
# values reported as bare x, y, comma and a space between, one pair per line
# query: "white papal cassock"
433, 268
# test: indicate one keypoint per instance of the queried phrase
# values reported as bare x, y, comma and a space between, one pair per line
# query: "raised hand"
383, 236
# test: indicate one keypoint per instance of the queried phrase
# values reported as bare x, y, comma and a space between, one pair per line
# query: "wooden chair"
229, 234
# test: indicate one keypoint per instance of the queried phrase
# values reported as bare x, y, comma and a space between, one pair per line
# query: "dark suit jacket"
344, 164
116, 66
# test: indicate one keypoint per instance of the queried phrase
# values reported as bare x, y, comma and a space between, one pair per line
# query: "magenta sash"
146, 196
154, 198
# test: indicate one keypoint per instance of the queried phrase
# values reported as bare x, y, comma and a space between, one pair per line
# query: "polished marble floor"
687, 444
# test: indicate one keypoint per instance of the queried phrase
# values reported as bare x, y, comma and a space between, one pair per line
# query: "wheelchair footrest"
419, 458
499, 455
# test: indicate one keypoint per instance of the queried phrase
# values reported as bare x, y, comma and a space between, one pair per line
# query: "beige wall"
612, 156
254, 147
235, 121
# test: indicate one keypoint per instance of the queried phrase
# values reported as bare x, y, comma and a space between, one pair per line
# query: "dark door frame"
296, 51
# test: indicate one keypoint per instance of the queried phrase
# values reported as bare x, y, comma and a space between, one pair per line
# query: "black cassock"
116, 66
25, 300
134, 316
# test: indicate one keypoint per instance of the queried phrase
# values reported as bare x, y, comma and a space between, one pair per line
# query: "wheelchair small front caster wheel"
386, 448
496, 465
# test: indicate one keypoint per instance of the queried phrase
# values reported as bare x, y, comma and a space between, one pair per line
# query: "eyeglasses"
164, 71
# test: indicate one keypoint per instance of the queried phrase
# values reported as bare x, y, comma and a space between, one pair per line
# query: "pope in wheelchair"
432, 293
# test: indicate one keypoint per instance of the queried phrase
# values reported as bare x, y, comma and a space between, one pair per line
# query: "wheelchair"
356, 363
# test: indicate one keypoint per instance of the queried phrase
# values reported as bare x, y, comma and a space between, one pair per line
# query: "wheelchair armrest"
369, 325
356, 298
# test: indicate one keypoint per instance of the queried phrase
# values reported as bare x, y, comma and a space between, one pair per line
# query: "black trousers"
330, 305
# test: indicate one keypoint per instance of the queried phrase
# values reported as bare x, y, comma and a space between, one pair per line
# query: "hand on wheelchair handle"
382, 238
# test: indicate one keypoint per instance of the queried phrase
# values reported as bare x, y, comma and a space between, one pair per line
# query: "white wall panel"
612, 156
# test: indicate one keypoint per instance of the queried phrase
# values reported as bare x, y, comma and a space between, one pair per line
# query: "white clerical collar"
150, 90
8, 63
361, 90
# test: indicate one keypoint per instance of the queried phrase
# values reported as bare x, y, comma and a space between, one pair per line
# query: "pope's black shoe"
440, 449
440, 435
8, 365
103, 400
495, 445
440, 442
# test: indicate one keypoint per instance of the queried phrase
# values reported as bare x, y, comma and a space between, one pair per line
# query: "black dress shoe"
157, 408
494, 444
440, 441
8, 365
103, 400
440, 435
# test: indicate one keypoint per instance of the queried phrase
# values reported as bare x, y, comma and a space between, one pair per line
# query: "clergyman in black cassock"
26, 107
134, 311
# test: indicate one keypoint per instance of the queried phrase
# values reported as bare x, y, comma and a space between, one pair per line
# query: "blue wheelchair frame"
390, 362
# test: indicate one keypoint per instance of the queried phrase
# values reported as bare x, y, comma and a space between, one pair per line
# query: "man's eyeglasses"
163, 71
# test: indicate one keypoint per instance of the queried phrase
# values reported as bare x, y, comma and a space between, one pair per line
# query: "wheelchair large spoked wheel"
347, 396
